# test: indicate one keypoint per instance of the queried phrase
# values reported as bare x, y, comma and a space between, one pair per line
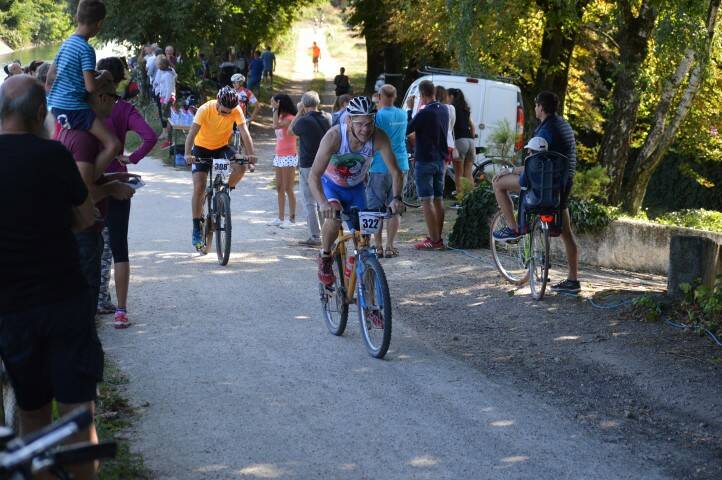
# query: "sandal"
391, 252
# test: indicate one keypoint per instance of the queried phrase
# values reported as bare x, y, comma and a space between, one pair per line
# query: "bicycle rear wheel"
509, 257
223, 227
333, 300
374, 307
409, 190
539, 261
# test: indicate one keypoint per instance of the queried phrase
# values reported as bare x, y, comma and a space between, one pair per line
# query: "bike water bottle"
348, 270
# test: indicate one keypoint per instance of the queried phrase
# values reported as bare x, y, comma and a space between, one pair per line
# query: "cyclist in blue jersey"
339, 172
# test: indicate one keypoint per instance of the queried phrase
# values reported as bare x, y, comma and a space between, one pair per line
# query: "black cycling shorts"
117, 222
53, 352
204, 153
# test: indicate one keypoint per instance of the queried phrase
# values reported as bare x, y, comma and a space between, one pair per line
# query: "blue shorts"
76, 119
348, 197
225, 152
430, 180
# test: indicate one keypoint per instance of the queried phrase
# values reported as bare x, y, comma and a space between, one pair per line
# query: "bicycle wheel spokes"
510, 257
539, 260
207, 230
374, 307
223, 227
333, 300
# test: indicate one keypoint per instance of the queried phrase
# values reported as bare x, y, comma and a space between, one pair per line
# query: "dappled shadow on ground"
620, 377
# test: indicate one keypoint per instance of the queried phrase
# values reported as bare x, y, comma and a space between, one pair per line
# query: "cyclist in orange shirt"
316, 53
208, 138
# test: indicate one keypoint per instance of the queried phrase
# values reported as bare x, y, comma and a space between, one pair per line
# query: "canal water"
47, 53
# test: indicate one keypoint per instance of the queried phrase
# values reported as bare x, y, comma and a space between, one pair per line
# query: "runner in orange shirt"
316, 53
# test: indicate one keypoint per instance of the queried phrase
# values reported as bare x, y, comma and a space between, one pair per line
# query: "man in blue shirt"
379, 191
559, 138
430, 126
269, 64
254, 72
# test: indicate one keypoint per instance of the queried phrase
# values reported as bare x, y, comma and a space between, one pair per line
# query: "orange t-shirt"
316, 51
215, 129
285, 141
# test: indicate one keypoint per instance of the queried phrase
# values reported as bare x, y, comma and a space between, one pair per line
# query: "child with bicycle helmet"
208, 138
245, 96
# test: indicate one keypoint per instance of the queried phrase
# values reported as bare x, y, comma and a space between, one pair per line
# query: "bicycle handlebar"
239, 159
23, 450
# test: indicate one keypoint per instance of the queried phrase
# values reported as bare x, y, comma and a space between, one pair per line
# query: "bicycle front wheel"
539, 261
510, 256
333, 300
223, 227
374, 307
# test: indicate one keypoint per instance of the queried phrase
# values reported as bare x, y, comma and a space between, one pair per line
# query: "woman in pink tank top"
286, 159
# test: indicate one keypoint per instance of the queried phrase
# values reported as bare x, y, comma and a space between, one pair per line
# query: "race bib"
222, 167
370, 222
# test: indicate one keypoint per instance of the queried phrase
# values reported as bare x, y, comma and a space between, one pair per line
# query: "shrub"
693, 218
590, 184
589, 216
471, 229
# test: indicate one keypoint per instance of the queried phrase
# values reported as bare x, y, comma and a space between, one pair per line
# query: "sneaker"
325, 270
455, 206
197, 239
428, 244
165, 145
567, 286
287, 224
275, 223
506, 234
311, 242
121, 320
105, 308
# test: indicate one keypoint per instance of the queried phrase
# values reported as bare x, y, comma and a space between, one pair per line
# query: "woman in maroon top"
124, 118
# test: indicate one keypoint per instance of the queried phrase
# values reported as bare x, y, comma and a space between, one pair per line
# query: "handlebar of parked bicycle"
37, 452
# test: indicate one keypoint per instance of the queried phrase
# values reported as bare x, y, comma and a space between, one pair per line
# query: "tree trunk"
374, 62
558, 43
661, 136
633, 43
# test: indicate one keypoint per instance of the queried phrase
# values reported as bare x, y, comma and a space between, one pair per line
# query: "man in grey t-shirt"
310, 125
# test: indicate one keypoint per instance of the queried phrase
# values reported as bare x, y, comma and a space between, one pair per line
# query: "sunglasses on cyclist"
363, 124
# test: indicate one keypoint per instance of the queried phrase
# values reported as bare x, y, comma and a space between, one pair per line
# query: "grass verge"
113, 417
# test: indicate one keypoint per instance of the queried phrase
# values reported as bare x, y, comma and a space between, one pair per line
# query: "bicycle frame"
360, 243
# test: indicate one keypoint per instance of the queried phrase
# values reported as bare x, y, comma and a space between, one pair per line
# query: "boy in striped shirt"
72, 76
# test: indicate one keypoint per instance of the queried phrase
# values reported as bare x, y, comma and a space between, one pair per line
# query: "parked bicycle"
359, 273
23, 458
527, 259
216, 218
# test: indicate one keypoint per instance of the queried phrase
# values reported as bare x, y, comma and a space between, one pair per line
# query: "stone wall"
630, 245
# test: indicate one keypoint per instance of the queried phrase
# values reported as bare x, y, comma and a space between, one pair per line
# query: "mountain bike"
23, 458
216, 217
361, 273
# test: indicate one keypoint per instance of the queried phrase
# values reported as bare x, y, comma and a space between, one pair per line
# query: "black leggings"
117, 222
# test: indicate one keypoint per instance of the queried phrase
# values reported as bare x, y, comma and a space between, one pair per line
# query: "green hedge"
471, 229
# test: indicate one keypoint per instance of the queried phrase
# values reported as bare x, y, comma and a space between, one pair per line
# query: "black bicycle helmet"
361, 106
227, 97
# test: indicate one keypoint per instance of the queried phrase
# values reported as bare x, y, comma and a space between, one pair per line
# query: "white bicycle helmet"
537, 144
238, 78
361, 106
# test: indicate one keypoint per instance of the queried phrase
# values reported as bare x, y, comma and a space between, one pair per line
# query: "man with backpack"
553, 134
310, 125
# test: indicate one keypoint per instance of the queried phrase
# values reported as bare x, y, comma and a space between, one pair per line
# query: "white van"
492, 102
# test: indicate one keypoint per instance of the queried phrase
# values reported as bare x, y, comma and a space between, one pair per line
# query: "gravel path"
236, 376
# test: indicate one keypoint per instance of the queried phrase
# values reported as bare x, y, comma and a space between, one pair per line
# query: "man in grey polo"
310, 125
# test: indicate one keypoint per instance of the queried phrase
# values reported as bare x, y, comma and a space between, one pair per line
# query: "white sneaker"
275, 223
287, 224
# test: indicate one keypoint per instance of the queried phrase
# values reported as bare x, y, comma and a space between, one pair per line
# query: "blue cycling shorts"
348, 197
